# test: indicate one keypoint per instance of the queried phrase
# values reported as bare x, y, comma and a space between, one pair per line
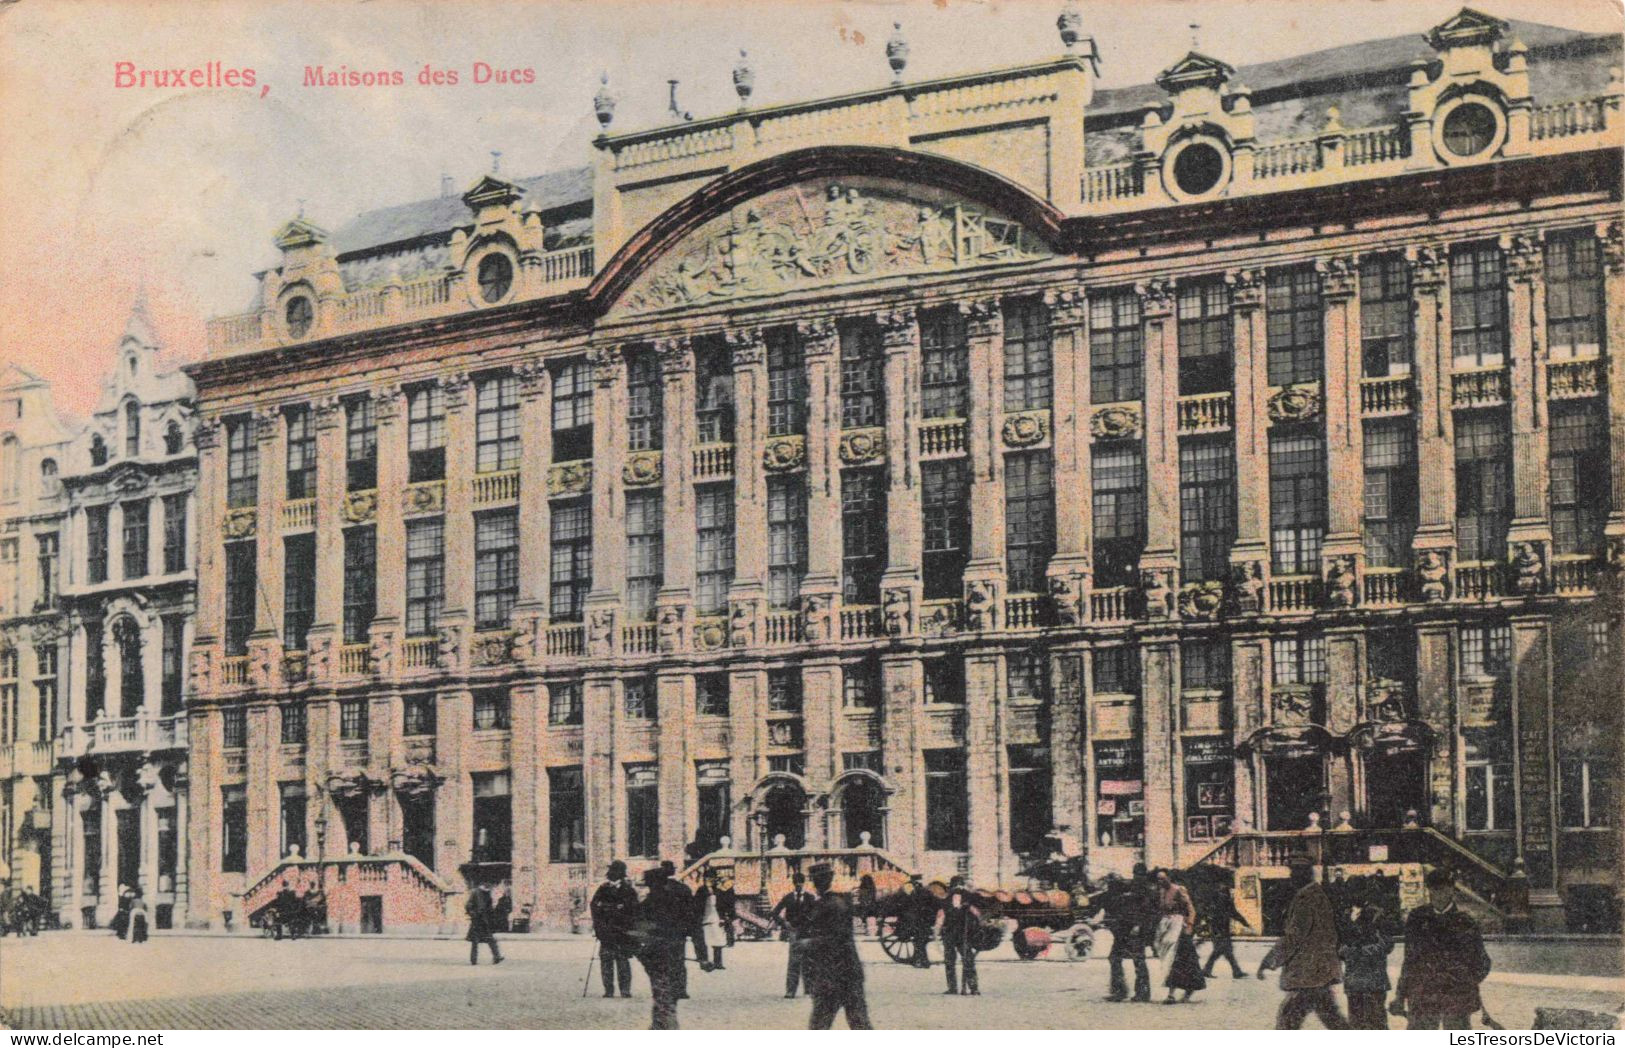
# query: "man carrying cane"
614, 915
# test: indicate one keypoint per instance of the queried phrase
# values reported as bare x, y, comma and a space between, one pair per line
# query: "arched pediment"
824, 217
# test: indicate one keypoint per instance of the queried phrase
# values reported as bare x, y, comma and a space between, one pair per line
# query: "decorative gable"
300, 233
1194, 70
1467, 28
491, 191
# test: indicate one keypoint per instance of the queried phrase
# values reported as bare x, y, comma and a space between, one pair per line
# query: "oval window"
299, 315
1469, 129
496, 277
1198, 168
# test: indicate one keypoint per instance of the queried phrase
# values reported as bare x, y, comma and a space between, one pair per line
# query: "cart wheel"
897, 948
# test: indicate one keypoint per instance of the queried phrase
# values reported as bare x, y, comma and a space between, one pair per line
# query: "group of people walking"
22, 912
296, 914
1153, 911
916, 912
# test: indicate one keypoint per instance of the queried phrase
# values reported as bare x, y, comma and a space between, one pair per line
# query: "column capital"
1525, 255
606, 364
386, 403
328, 412
1246, 288
454, 390
267, 424
984, 317
820, 336
1339, 276
1156, 296
899, 328
1068, 307
1612, 236
747, 345
676, 356
1428, 263
532, 376
206, 434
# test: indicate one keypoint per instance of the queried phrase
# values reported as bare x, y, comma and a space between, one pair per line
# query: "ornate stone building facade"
1184, 466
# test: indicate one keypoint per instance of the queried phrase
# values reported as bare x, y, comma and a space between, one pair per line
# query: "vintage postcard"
754, 515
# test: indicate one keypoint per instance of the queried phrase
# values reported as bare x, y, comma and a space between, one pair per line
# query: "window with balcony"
1486, 652
642, 810
1385, 316
493, 816
425, 433
1029, 381
711, 694
945, 513
132, 671
96, 531
47, 546
786, 383
1029, 803
95, 671
175, 541
864, 534
1206, 337
496, 423
233, 829
1573, 295
491, 710
564, 703
496, 567
860, 685
1116, 670
1297, 501
645, 401
360, 582
1026, 675
640, 698
45, 702
353, 720
1116, 346
571, 552
241, 592
947, 806
1299, 660
418, 715
1478, 305
786, 539
294, 722
425, 575
944, 680
572, 411
298, 589
944, 364
863, 375
1029, 519
1207, 508
132, 429
242, 463
713, 391
135, 533
1293, 315
1391, 495
1483, 484
360, 444
174, 664
301, 452
1579, 473
645, 552
713, 547
566, 815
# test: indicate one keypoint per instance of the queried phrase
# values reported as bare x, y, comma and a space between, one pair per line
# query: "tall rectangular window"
132, 430
645, 552
353, 720
301, 460
233, 829
294, 723
944, 680
491, 710
1029, 381
1478, 305
860, 685
947, 807
863, 375
96, 543
572, 411
425, 433
713, 391
496, 567
242, 463
240, 595
1483, 484
1486, 651
1297, 501
1573, 295
174, 534
360, 582
711, 694
173, 667
786, 539
571, 550
233, 728
945, 512
45, 671
1206, 337
1293, 315
713, 547
95, 669
496, 423
1579, 476
640, 698
944, 364
1030, 815
1385, 316
566, 815
360, 444
784, 691
642, 810
564, 703
645, 407
786, 383
1026, 675
425, 575
418, 715
493, 816
1029, 519
1116, 670
298, 589
1204, 665
1391, 504
47, 547
1207, 508
863, 534
1587, 792
1116, 346
135, 516
1299, 660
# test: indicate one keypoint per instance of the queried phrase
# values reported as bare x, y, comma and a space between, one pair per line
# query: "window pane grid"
360, 583
1116, 346
1029, 517
945, 512
1297, 501
1385, 315
571, 554
360, 444
425, 575
786, 384
863, 377
1477, 305
496, 423
1205, 337
1391, 501
863, 534
944, 364
786, 539
301, 462
714, 391
1293, 316
242, 463
1483, 485
1028, 381
1207, 508
496, 567
645, 553
1579, 477
714, 547
1573, 295
645, 420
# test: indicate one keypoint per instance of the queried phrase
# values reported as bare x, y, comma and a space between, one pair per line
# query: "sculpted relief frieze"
829, 231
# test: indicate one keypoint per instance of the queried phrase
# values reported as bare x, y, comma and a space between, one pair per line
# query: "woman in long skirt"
716, 937
1185, 969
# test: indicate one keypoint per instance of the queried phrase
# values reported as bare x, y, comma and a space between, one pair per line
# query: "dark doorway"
713, 826
861, 803
372, 915
417, 827
129, 847
353, 812
1293, 787
784, 805
1395, 784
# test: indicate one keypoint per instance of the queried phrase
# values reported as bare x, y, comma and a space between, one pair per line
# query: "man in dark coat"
960, 923
1365, 969
1128, 914
793, 913
1219, 921
282, 910
915, 911
727, 907
693, 931
666, 916
614, 910
1307, 955
834, 973
481, 923
1445, 961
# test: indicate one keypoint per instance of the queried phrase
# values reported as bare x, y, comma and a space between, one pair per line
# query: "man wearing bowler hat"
614, 915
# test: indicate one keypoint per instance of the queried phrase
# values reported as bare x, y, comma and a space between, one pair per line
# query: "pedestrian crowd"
22, 912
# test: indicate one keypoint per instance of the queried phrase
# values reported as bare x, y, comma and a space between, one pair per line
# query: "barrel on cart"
1032, 918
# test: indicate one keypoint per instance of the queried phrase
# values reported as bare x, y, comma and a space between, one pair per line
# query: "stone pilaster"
389, 523
1345, 670
1159, 735
535, 446
1069, 569
1160, 424
677, 371
1435, 429
820, 347
605, 779
903, 681
209, 560
453, 804
747, 704
986, 765
749, 352
203, 842
262, 793
329, 613
461, 415
1068, 741
1536, 757
1249, 680
1436, 687
1251, 395
675, 703
1340, 387
271, 436
1526, 360
984, 331
1612, 235
901, 584
821, 712
530, 816
608, 491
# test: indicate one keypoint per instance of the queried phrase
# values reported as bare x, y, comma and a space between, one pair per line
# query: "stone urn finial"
603, 103
897, 52
744, 79
1070, 23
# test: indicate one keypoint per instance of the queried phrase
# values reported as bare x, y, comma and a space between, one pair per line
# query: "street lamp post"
1324, 800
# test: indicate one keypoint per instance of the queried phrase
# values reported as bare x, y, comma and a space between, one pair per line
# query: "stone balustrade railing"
1205, 413
713, 461
1563, 119
495, 487
942, 436
1568, 379
1386, 396
1481, 387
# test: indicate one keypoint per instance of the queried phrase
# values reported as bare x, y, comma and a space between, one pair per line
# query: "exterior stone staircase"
411, 896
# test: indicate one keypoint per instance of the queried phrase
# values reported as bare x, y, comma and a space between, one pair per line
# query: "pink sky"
180, 190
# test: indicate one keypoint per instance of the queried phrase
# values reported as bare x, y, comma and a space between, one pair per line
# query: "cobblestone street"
90, 981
